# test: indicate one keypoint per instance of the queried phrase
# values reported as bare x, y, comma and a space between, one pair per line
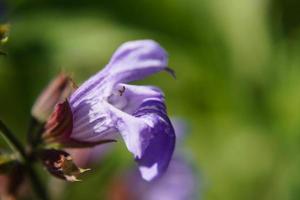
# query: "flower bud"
57, 91
60, 164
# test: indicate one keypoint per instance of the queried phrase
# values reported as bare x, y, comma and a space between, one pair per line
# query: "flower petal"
157, 155
92, 121
128, 98
135, 60
148, 135
132, 61
59, 128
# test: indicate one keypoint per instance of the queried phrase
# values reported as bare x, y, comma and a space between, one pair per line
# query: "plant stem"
36, 183
34, 132
30, 133
18, 147
12, 141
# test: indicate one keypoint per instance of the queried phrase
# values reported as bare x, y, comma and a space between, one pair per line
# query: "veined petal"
59, 128
135, 60
157, 155
149, 136
132, 61
133, 130
92, 121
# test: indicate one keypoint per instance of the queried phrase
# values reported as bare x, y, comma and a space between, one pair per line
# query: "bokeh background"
238, 81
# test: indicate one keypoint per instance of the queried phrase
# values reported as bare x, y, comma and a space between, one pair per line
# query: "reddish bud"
57, 91
59, 125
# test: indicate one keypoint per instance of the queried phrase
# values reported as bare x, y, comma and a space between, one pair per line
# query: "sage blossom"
106, 106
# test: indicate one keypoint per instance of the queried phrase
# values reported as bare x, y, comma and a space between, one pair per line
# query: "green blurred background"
237, 86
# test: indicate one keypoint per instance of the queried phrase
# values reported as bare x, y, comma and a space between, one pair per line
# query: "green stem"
30, 133
18, 147
34, 132
12, 141
37, 183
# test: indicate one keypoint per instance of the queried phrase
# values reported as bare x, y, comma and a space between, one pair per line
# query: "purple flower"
106, 105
